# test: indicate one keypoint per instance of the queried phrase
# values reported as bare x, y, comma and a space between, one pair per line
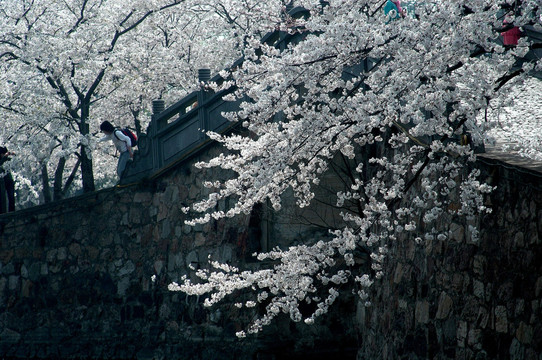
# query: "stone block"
193, 191
505, 291
55, 267
199, 239
175, 262
13, 282
166, 229
24, 271
479, 264
501, 319
62, 254
26, 288
519, 240
9, 336
164, 311
534, 311
474, 338
192, 259
6, 256
517, 351
532, 235
158, 266
163, 212
538, 287
122, 285
120, 253
171, 195
8, 269
37, 270
449, 332
462, 330
422, 312
361, 313
457, 232
399, 272
178, 231
478, 289
445, 304
135, 215
75, 249
519, 309
457, 282
51, 255
524, 333
125, 219
483, 317
127, 268
3, 286
142, 197
183, 192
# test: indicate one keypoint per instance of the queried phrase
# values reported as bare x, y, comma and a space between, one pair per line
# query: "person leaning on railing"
121, 142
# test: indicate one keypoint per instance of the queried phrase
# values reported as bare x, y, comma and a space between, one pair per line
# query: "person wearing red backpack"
122, 142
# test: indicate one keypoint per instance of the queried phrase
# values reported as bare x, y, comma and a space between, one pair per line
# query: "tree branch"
70, 179
55, 84
81, 18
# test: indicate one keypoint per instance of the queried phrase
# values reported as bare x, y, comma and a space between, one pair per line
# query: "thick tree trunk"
45, 182
57, 187
86, 169
87, 173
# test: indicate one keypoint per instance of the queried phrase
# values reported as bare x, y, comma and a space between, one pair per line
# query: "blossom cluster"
390, 103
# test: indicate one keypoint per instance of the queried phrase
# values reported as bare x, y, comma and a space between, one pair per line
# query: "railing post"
158, 106
204, 75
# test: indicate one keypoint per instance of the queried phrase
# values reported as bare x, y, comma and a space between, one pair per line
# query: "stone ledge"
513, 159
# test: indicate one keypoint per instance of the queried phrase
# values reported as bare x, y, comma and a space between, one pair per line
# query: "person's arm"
105, 138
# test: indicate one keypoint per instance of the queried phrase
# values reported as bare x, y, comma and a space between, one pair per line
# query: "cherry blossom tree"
68, 65
59, 59
402, 103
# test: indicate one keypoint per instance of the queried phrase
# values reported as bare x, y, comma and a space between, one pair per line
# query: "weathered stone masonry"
79, 272
465, 299
75, 279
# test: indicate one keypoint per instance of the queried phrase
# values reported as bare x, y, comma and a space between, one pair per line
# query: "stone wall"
75, 279
464, 299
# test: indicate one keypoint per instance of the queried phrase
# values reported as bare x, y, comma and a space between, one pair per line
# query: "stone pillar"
158, 107
204, 75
